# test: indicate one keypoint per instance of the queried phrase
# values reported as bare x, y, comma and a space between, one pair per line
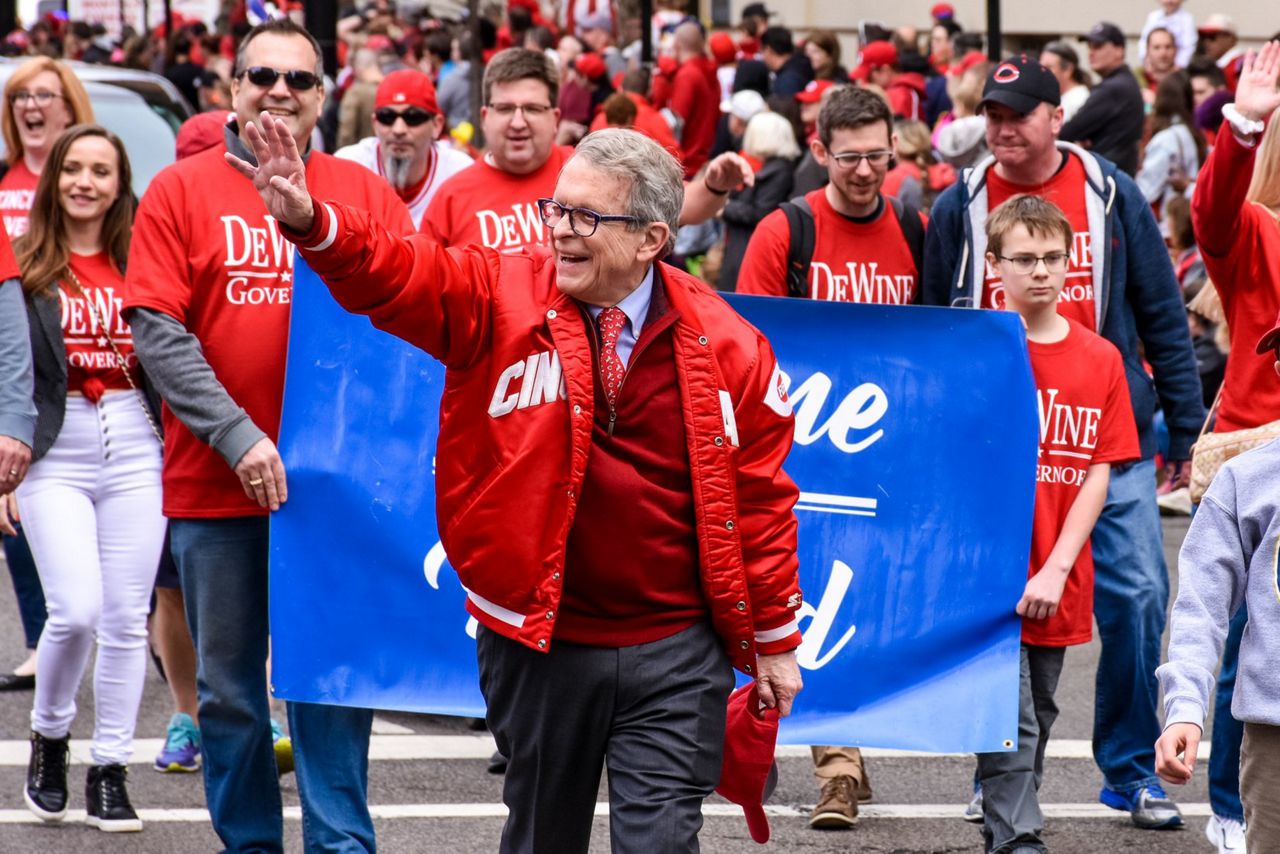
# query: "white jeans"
91, 509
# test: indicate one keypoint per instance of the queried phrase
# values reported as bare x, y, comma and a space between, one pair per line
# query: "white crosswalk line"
401, 811
388, 747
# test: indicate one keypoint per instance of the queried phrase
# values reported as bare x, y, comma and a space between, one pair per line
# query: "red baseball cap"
812, 93
723, 48
590, 66
1271, 339
748, 774
942, 11
874, 55
200, 132
407, 87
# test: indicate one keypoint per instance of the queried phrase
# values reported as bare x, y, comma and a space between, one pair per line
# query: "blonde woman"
41, 99
769, 144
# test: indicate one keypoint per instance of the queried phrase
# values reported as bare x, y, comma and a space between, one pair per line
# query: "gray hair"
770, 135
656, 177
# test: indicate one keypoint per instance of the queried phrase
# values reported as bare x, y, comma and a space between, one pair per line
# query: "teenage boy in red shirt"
1086, 425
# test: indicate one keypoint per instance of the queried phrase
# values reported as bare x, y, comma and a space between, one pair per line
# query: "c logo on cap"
1006, 73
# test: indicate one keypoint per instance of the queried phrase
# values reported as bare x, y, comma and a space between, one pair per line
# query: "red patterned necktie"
610, 322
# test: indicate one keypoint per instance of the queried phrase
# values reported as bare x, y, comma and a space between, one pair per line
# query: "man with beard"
405, 149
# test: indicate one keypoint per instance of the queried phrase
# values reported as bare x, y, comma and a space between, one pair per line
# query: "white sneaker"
1176, 503
1227, 834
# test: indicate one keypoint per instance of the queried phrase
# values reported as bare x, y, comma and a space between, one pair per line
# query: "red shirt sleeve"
764, 266
157, 277
1117, 432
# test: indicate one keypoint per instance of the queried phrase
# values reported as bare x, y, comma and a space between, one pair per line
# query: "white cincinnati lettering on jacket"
541, 381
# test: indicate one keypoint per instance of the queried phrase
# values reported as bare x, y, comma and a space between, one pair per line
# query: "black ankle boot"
46, 789
107, 804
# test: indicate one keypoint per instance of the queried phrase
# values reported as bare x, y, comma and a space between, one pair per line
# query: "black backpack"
800, 254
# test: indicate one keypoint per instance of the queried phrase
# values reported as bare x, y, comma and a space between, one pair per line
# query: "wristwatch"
1243, 128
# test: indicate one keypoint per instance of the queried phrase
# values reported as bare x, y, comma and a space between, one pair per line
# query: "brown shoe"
837, 807
864, 787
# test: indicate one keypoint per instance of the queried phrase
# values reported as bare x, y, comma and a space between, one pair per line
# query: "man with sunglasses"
861, 245
208, 292
1119, 284
611, 445
406, 149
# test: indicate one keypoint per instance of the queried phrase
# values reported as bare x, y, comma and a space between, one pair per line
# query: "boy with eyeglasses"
845, 242
406, 149
1086, 425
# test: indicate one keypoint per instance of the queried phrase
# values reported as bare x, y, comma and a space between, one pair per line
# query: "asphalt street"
430, 792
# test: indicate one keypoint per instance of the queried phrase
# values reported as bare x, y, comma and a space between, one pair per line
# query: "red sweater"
637, 490
1240, 244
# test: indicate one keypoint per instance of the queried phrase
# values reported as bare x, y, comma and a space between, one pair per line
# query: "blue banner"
915, 455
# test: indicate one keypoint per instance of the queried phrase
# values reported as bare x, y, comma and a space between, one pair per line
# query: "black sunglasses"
412, 116
299, 81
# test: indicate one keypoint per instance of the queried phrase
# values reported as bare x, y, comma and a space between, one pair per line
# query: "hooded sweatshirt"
1229, 558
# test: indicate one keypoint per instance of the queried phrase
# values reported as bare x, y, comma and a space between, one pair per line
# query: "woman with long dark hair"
91, 500
1177, 148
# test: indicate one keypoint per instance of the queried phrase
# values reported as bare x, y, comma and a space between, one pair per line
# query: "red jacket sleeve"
766, 501
435, 298
764, 266
1218, 208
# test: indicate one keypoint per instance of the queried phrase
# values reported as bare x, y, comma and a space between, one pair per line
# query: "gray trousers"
653, 713
1011, 781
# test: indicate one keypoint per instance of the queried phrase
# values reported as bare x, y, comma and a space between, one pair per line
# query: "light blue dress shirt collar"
636, 307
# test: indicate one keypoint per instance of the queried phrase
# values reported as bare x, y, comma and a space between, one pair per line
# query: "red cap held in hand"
748, 774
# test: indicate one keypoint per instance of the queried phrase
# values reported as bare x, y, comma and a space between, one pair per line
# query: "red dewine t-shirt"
1066, 189
484, 205
1085, 418
853, 261
17, 193
206, 252
92, 365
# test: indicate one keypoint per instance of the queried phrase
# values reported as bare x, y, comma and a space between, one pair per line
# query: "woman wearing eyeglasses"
41, 99
91, 500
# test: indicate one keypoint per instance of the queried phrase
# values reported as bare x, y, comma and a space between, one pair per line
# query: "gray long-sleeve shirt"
176, 366
17, 380
1229, 557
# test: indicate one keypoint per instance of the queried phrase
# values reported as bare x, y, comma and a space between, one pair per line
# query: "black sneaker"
46, 789
107, 804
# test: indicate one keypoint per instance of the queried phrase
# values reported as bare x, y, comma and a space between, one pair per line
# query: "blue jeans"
1131, 601
26, 587
222, 564
1224, 759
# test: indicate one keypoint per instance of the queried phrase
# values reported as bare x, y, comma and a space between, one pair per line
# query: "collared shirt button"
741, 606
551, 314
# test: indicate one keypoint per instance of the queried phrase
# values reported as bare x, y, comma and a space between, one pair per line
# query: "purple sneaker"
181, 750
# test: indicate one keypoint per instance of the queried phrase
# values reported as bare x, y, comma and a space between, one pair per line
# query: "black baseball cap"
1021, 84
756, 10
1104, 32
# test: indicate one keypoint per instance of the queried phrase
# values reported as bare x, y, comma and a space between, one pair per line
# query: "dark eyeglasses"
42, 97
299, 81
852, 159
582, 221
412, 116
1054, 262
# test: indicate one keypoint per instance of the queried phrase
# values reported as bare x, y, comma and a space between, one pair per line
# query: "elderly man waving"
610, 484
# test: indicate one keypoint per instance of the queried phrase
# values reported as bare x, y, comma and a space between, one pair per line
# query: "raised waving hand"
280, 176
1256, 94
